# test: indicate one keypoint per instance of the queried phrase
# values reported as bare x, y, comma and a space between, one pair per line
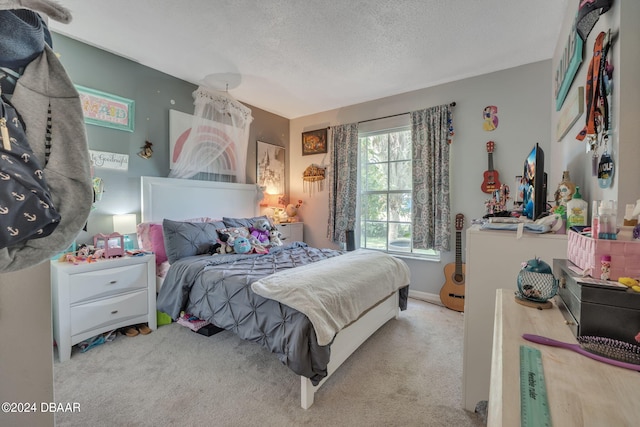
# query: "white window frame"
378, 127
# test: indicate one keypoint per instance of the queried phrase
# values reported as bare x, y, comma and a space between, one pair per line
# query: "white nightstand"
291, 231
92, 298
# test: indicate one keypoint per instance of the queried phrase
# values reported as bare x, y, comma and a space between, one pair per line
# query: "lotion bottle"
576, 210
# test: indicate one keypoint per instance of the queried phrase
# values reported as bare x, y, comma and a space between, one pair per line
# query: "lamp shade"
124, 224
270, 200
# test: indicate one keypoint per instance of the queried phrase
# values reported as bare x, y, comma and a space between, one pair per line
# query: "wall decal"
490, 116
103, 159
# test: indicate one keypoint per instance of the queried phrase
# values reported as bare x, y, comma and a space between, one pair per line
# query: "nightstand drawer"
291, 232
102, 312
109, 281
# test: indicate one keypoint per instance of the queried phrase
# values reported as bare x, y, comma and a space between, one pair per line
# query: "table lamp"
125, 225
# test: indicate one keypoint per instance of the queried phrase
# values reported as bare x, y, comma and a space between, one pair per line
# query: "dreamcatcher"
313, 178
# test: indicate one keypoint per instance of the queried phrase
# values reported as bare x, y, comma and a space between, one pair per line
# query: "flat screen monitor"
534, 185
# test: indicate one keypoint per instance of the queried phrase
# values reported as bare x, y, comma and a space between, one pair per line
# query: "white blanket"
334, 292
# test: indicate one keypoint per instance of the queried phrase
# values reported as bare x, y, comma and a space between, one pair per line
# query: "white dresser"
92, 298
291, 231
493, 261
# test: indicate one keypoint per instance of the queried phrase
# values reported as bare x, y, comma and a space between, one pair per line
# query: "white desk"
581, 391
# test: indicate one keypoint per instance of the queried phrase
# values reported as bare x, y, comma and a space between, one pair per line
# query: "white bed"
178, 199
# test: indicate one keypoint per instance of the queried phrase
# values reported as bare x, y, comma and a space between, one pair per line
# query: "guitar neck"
458, 253
490, 161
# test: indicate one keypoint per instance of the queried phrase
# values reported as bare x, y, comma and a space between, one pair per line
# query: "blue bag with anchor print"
26, 208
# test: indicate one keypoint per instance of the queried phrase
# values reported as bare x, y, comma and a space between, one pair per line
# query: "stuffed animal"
224, 245
260, 230
258, 247
275, 237
241, 245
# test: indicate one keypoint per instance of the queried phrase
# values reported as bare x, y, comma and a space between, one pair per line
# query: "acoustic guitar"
452, 292
491, 181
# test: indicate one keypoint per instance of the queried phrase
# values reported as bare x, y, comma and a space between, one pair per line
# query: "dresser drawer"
109, 281
85, 317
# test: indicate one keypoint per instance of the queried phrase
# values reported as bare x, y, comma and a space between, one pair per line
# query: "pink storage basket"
586, 252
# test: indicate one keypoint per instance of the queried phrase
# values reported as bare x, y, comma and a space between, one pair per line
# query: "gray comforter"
218, 289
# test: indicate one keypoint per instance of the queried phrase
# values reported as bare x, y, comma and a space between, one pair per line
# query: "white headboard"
180, 199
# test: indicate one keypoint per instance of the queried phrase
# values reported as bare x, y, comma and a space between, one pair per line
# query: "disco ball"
536, 281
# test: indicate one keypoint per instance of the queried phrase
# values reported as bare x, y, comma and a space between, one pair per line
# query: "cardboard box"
586, 253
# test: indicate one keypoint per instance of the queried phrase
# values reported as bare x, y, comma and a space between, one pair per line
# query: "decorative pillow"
147, 242
242, 222
183, 239
156, 236
151, 236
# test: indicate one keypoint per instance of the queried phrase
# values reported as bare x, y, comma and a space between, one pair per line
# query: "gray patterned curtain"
343, 182
431, 208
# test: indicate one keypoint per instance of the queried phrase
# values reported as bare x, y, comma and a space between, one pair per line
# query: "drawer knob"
569, 322
563, 282
114, 311
113, 282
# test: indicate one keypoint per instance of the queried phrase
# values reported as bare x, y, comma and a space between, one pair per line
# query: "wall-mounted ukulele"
491, 181
452, 292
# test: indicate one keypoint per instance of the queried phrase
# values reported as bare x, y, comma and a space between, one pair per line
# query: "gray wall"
154, 93
522, 95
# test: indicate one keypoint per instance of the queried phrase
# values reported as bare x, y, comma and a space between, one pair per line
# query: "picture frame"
103, 109
570, 113
270, 167
314, 142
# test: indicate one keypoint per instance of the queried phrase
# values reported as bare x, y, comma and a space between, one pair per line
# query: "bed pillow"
183, 239
242, 222
151, 236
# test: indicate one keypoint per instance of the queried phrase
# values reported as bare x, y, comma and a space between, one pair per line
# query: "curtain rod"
453, 104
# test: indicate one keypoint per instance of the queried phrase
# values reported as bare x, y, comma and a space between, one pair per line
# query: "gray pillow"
242, 222
183, 239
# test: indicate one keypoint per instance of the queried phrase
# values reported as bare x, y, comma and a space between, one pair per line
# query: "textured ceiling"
299, 57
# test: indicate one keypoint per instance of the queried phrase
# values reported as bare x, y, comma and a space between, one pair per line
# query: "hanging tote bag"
26, 208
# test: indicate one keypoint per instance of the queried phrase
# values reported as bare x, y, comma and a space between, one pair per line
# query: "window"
385, 191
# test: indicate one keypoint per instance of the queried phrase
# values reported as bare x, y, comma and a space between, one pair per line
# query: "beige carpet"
407, 374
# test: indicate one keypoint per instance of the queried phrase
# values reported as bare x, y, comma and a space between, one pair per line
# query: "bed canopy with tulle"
216, 147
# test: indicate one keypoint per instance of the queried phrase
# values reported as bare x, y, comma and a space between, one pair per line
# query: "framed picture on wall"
103, 109
314, 142
270, 161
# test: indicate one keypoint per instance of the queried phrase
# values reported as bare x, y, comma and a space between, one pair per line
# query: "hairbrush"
606, 350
